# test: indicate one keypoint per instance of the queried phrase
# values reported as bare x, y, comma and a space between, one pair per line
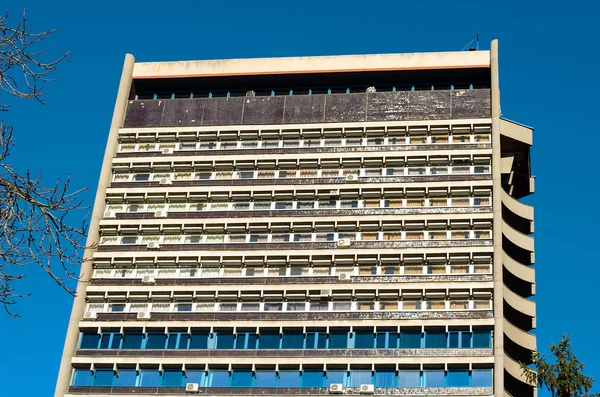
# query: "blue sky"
549, 80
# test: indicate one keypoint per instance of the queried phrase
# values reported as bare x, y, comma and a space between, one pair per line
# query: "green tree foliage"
564, 377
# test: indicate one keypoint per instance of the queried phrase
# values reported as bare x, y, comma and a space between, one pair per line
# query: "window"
459, 339
141, 177
117, 307
225, 340
195, 376
293, 340
273, 307
132, 341
458, 378
89, 340
316, 340
104, 377
126, 377
149, 377
482, 338
386, 340
338, 339
336, 376
172, 378
156, 340
265, 378
360, 377
199, 340
241, 378
363, 339
385, 378
82, 377
289, 378
410, 340
178, 340
269, 340
435, 339
110, 340
184, 307
433, 378
313, 378
246, 340
481, 377
409, 378
218, 378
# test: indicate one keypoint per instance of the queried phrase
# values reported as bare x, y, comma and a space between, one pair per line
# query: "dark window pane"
104, 377
482, 338
265, 378
156, 340
363, 340
338, 340
481, 378
458, 378
385, 378
82, 377
241, 378
465, 340
132, 341
268, 341
199, 340
126, 377
313, 378
433, 378
105, 341
225, 340
310, 340
89, 340
252, 341
172, 342
410, 340
293, 341
322, 340
409, 378
393, 340
435, 339
336, 376
172, 378
149, 378
219, 378
116, 341
360, 377
195, 376
289, 378
453, 339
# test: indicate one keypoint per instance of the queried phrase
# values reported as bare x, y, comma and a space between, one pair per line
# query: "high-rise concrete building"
308, 226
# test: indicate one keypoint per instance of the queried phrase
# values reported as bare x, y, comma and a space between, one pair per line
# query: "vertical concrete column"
497, 239
64, 373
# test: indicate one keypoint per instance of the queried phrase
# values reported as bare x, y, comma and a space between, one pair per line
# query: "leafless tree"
35, 220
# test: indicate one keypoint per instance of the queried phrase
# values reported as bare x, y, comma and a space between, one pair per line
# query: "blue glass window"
218, 378
293, 340
178, 340
482, 338
410, 340
409, 378
387, 340
453, 339
360, 377
199, 340
89, 340
313, 378
269, 340
110, 340
457, 378
289, 378
149, 378
82, 377
434, 378
316, 340
241, 378
172, 378
363, 340
336, 376
435, 339
265, 378
195, 376
104, 377
385, 378
338, 339
156, 340
481, 378
246, 340
126, 377
225, 340
132, 341
117, 307
465, 340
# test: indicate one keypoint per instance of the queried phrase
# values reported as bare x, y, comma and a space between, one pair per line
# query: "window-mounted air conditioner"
165, 181
153, 245
191, 388
336, 388
90, 315
148, 280
352, 178
143, 316
367, 389
109, 214
167, 150
160, 214
344, 243
344, 277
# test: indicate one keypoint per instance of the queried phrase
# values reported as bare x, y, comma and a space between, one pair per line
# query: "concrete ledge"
516, 207
519, 270
520, 337
523, 305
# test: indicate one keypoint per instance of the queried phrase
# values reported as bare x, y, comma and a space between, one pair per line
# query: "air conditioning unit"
143, 315
90, 315
160, 214
165, 181
352, 178
153, 245
325, 292
148, 280
344, 277
344, 243
109, 214
367, 389
191, 388
336, 388
167, 150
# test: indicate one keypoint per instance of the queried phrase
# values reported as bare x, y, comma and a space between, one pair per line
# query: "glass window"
225, 340
453, 339
336, 376
360, 377
149, 377
293, 340
156, 340
410, 340
409, 378
178, 340
117, 307
184, 307
82, 377
104, 377
433, 377
289, 378
89, 340
246, 340
132, 341
126, 377
110, 340
313, 378
481, 377
385, 378
195, 376
482, 338
363, 339
458, 378
465, 339
241, 378
218, 378
387, 340
269, 340
435, 339
172, 378
338, 339
265, 378
199, 340
316, 340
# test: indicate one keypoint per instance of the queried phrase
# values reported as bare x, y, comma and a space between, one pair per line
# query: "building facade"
308, 226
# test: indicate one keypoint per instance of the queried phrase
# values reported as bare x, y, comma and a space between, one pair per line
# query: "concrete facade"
308, 226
